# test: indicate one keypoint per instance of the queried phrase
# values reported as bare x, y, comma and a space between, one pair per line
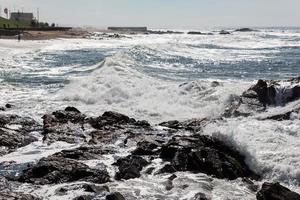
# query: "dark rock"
245, 30
72, 109
109, 119
115, 196
7, 192
223, 32
200, 196
206, 155
83, 153
53, 170
146, 148
95, 189
190, 125
275, 191
263, 94
64, 125
194, 33
130, 167
84, 197
15, 132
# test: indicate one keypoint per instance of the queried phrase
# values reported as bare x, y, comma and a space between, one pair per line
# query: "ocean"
159, 78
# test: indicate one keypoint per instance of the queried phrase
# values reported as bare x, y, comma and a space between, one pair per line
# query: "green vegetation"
5, 23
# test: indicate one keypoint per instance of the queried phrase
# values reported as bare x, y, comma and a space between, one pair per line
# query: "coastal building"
20, 16
128, 29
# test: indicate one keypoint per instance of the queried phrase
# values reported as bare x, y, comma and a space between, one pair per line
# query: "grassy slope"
13, 24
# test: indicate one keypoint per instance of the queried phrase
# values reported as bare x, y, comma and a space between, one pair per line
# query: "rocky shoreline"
137, 146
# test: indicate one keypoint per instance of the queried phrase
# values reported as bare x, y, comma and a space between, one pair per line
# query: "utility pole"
38, 14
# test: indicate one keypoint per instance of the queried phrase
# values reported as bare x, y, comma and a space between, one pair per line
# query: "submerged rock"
54, 170
130, 167
275, 191
206, 155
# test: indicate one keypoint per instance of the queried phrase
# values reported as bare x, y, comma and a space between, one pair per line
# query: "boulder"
110, 119
244, 30
130, 167
194, 33
193, 125
84, 153
15, 132
115, 196
263, 94
223, 32
54, 170
206, 155
275, 191
64, 125
146, 147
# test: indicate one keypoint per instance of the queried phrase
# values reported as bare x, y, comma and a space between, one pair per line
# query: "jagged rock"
275, 191
109, 119
146, 148
64, 125
263, 94
53, 170
190, 125
223, 32
84, 153
15, 132
8, 194
206, 155
130, 167
115, 196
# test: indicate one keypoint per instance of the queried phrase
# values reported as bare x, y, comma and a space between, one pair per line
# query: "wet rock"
84, 197
263, 94
190, 125
84, 153
130, 167
15, 132
223, 32
169, 185
194, 33
275, 191
53, 170
200, 196
206, 155
91, 188
146, 148
8, 194
115, 196
111, 118
244, 30
64, 125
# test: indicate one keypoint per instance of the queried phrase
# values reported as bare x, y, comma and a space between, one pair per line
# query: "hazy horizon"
162, 14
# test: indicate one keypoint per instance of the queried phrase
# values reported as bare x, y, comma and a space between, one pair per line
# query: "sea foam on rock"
275, 191
15, 132
265, 94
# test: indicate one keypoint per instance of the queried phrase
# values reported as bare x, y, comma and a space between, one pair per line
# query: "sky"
162, 13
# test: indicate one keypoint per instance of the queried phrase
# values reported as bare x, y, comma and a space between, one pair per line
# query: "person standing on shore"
19, 37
